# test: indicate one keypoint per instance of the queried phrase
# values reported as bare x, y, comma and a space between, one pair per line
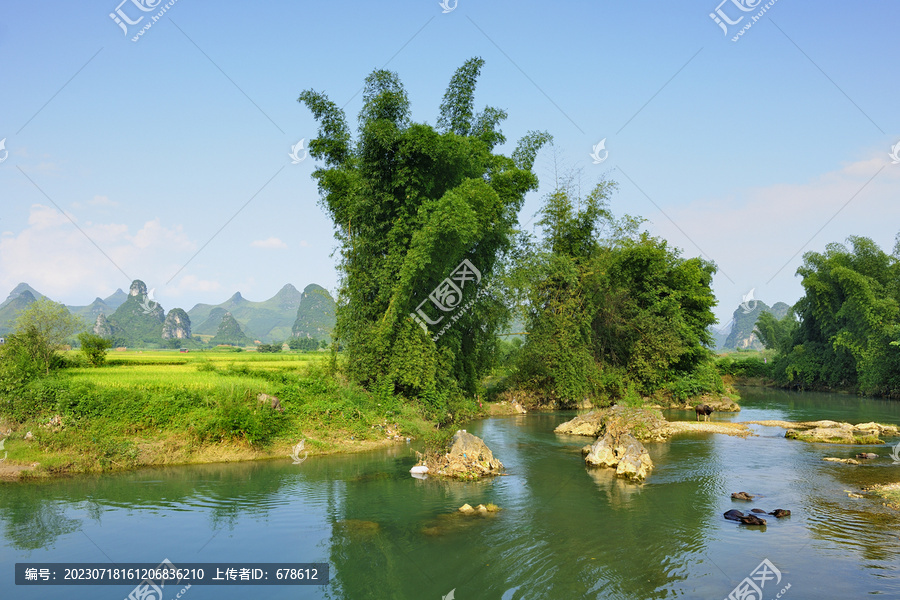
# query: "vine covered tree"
409, 203
611, 312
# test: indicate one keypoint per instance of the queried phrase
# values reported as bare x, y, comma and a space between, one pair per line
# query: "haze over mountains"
136, 319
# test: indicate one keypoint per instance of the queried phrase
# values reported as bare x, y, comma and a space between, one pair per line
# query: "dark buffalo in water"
703, 409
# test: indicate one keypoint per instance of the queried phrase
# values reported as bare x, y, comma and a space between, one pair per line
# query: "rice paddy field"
164, 407
200, 371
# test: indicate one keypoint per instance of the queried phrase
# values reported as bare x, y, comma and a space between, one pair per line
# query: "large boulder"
634, 460
601, 453
645, 424
467, 457
629, 457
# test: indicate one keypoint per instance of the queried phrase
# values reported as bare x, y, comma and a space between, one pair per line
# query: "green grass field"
136, 369
168, 407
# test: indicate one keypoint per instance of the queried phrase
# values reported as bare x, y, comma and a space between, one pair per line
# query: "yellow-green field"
169, 407
166, 368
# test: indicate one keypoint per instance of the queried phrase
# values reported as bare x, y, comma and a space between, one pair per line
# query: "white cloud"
272, 242
73, 264
154, 234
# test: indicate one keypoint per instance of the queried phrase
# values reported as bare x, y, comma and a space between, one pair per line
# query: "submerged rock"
481, 509
357, 529
839, 433
742, 496
779, 513
849, 461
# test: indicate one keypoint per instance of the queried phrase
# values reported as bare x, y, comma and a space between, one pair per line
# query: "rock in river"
626, 454
467, 456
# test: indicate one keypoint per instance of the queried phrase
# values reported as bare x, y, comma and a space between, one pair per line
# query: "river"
564, 531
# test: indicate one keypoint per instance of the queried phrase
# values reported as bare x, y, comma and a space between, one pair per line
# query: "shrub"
94, 348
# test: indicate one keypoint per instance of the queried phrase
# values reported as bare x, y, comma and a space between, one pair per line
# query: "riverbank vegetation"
843, 334
613, 314
434, 268
166, 407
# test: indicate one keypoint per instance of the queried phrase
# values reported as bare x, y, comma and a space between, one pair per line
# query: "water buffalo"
736, 515
703, 409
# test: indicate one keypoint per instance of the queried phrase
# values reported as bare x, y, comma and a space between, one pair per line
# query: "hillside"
10, 308
315, 315
741, 335
90, 312
229, 332
106, 306
18, 290
139, 320
267, 321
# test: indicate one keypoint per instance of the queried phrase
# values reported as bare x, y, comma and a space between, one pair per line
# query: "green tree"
847, 318
41, 331
304, 344
94, 347
409, 202
776, 334
608, 309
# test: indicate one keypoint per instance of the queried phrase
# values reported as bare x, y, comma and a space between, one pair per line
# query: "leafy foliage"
612, 313
409, 202
41, 331
94, 348
845, 323
305, 344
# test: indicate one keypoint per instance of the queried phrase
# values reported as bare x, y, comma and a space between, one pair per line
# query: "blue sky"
166, 159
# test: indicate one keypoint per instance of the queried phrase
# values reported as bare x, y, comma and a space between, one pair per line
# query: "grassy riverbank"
166, 407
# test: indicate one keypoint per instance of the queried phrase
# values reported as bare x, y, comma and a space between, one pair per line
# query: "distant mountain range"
107, 306
269, 320
134, 319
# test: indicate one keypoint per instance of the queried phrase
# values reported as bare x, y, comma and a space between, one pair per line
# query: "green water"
564, 531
